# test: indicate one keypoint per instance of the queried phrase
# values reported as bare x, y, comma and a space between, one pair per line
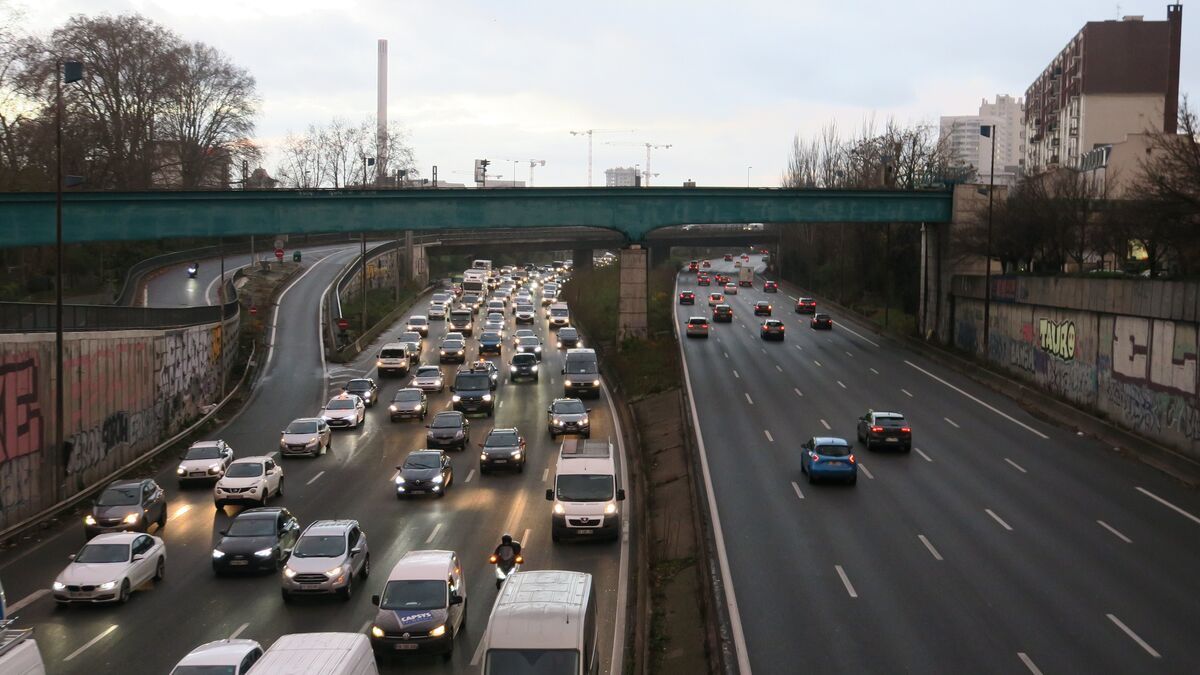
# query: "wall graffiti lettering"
1057, 338
121, 429
17, 490
1151, 412
21, 425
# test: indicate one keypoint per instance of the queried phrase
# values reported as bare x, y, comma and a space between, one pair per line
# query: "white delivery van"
543, 622
581, 373
585, 494
318, 654
19, 653
746, 276
393, 359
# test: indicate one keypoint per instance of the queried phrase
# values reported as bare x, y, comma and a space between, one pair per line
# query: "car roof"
505, 430
115, 538
423, 451
418, 316
422, 565
763, 302
772, 322
260, 512
565, 400
307, 419
885, 413
429, 366
125, 482
207, 444
256, 459
829, 440
697, 318
360, 380
327, 527
724, 306
219, 652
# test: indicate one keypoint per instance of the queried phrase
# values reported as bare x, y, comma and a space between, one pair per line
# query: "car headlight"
376, 631
584, 420
456, 398
311, 442
516, 454
59, 586
180, 471
289, 572
132, 518
264, 553
442, 352
595, 383
437, 480
535, 367
107, 586
458, 434
558, 508
483, 456
400, 480
559, 344
558, 422
610, 508
537, 350
438, 632
213, 468
335, 572
218, 554
487, 397
512, 369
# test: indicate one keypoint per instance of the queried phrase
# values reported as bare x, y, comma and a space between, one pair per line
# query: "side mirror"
71, 556
137, 557
549, 494
587, 410
479, 444
375, 600
620, 494
356, 550
563, 371
456, 599
399, 467
224, 533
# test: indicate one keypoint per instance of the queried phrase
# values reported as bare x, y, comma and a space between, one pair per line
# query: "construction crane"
532, 163
649, 146
588, 133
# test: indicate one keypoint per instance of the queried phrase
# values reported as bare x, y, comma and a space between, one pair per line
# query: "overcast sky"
727, 84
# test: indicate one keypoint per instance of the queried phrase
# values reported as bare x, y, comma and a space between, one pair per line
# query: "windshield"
251, 527
456, 315
410, 336
245, 470
578, 366
523, 359
452, 344
204, 670
424, 460
584, 488
340, 404
558, 312
531, 662
429, 371
492, 337
529, 342
473, 381
501, 439
120, 496
833, 450
447, 422
574, 407
408, 395
524, 308
320, 546
407, 596
103, 553
203, 452
392, 354
356, 386
298, 427
418, 321
568, 333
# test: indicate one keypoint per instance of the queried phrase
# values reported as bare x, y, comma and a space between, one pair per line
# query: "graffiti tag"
1057, 338
21, 424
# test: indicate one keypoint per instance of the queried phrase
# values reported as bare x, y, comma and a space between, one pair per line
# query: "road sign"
279, 254
279, 242
253, 310
343, 324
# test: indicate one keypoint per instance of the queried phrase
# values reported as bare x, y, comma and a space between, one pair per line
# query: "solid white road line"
1117, 534
922, 454
433, 534
1029, 663
314, 478
618, 649
735, 374
840, 384
236, 633
1006, 416
906, 393
748, 399
545, 474
1016, 466
853, 332
932, 551
826, 425
470, 475
1132, 635
865, 470
26, 601
100, 637
795, 487
797, 391
846, 581
777, 367
768, 433
998, 519
952, 422
817, 362
874, 371
1168, 504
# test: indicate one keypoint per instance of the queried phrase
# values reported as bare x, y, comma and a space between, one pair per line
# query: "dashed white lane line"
1116, 533
26, 601
826, 425
874, 371
1029, 663
1169, 505
763, 350
863, 467
906, 393
234, 635
735, 374
778, 367
768, 434
314, 478
799, 494
98, 638
798, 393
180, 511
726, 354
501, 405
525, 538
849, 354
1134, 636
829, 340
932, 551
817, 362
998, 519
1016, 466
545, 474
999, 412
846, 581
952, 422
799, 347
840, 384
436, 529
924, 456
748, 399
470, 475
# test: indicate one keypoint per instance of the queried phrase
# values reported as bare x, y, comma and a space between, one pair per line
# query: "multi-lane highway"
999, 544
165, 620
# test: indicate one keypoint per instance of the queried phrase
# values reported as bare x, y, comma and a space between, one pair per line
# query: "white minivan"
543, 622
318, 654
586, 495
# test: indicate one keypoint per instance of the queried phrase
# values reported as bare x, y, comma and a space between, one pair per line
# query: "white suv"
249, 480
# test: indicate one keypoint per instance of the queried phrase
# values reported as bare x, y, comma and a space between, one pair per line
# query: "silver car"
346, 411
305, 436
204, 460
412, 336
437, 311
327, 557
429, 378
408, 402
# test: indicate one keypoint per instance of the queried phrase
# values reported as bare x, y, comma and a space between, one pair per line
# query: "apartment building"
968, 148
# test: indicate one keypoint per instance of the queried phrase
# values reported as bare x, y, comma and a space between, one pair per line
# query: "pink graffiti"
21, 424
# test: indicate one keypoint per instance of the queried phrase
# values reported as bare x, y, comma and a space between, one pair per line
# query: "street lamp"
988, 130
68, 72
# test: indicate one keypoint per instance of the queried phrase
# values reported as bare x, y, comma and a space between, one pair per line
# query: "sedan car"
687, 298
523, 332
525, 313
418, 323
364, 388
530, 345
328, 556
770, 287
449, 429
523, 367
806, 306
424, 472
249, 480
490, 342
109, 567
762, 308
413, 337
228, 657
568, 338
204, 460
822, 321
731, 289
697, 326
772, 329
452, 350
494, 322
306, 436
346, 411
429, 378
721, 279
722, 314
715, 299
825, 457
407, 403
258, 540
437, 311
568, 416
883, 429
125, 505
502, 449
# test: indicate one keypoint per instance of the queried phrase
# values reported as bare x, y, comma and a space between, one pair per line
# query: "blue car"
826, 457
490, 342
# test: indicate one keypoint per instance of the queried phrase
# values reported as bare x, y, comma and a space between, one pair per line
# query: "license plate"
585, 531
310, 587
500, 461
80, 594
890, 440
239, 562
404, 645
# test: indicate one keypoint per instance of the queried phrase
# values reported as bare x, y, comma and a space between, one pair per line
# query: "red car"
703, 281
728, 257
770, 287
693, 266
722, 279
687, 298
822, 321
806, 306
762, 308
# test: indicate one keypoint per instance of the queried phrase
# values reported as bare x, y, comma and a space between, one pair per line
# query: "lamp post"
68, 72
989, 130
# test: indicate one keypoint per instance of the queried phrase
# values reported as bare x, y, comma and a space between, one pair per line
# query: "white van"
581, 373
559, 315
423, 605
318, 654
393, 359
543, 622
19, 653
585, 493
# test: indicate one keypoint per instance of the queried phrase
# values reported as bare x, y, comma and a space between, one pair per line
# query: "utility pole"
588, 133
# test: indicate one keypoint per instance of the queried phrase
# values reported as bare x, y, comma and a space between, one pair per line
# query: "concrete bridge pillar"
941, 260
631, 299
581, 258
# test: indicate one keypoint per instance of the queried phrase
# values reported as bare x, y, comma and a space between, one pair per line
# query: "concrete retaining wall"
1125, 349
126, 392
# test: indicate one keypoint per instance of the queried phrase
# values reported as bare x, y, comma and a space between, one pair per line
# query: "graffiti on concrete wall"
22, 428
119, 430
1057, 338
1160, 354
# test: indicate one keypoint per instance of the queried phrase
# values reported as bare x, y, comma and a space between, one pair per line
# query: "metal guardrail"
39, 317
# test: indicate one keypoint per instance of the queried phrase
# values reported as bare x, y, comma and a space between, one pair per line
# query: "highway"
999, 544
190, 606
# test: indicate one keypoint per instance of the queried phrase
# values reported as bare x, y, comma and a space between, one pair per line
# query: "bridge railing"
39, 317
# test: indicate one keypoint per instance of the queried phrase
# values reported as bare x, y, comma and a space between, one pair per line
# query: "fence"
38, 317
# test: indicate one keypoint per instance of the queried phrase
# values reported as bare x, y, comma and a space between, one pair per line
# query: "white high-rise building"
969, 147
621, 177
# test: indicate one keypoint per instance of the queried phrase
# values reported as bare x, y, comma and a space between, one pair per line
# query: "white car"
437, 310
522, 332
249, 480
109, 567
204, 460
229, 657
494, 322
731, 288
429, 378
418, 324
345, 411
494, 305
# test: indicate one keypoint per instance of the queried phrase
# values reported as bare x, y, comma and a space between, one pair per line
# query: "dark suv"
523, 367
882, 429
258, 539
502, 449
127, 506
473, 392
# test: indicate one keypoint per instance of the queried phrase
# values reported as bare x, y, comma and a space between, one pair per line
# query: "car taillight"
905, 430
851, 459
877, 430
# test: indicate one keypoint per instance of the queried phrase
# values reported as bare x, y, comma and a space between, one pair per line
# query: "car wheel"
124, 596
287, 597
220, 506
868, 443
521, 469
279, 493
160, 569
811, 477
554, 537
854, 479
348, 589
366, 570
449, 649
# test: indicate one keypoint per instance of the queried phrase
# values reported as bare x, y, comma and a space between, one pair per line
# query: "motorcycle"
192, 270
506, 568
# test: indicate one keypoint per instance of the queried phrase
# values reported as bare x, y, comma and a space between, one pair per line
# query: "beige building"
968, 148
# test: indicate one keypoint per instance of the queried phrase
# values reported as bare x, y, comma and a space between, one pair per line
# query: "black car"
473, 391
722, 314
365, 388
258, 539
523, 367
568, 416
883, 429
806, 306
687, 298
490, 342
408, 402
568, 338
762, 308
502, 449
450, 429
127, 506
452, 350
424, 472
822, 321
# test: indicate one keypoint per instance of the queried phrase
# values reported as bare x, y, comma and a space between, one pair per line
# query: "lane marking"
236, 633
1117, 534
846, 581
726, 354
100, 637
932, 551
433, 534
545, 474
922, 454
906, 393
1029, 663
748, 399
777, 367
314, 478
366, 624
874, 371
817, 362
952, 422
795, 487
1168, 504
797, 391
180, 511
853, 332
735, 374
470, 475
840, 384
1005, 415
1128, 631
849, 354
826, 425
866, 470
501, 405
768, 433
26, 601
998, 519
799, 347
525, 538
1016, 466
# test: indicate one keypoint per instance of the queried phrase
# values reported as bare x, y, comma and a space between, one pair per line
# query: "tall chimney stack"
381, 115
1174, 37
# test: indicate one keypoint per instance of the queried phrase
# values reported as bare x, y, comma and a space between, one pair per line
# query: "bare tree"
334, 155
1171, 170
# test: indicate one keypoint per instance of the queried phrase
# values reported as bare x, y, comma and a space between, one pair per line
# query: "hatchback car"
703, 280
228, 657
306, 436
762, 308
364, 388
257, 540
429, 378
204, 460
770, 287
418, 323
822, 321
490, 342
824, 457
249, 480
452, 350
494, 322
523, 367
437, 311
715, 299
408, 403
568, 338
522, 332
530, 345
109, 567
568, 416
125, 505
328, 556
449, 429
806, 306
525, 313
697, 326
502, 449
687, 298
424, 472
722, 314
772, 329
731, 289
346, 411
884, 429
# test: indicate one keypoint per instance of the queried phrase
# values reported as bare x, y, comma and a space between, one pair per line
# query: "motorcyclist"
508, 550
193, 268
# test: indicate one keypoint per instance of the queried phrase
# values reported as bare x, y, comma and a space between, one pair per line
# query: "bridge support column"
410, 262
581, 258
659, 253
631, 299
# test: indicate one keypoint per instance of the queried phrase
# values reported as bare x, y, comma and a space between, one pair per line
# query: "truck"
746, 276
